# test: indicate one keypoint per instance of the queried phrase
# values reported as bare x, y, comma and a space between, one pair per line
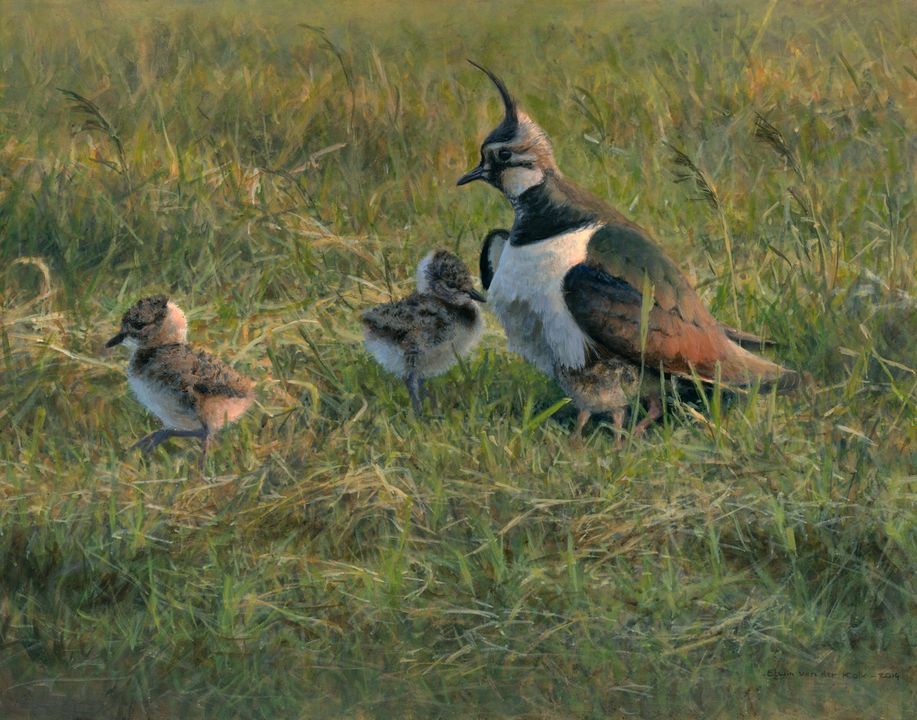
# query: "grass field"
276, 168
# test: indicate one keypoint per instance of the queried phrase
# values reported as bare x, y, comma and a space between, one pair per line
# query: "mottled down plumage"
417, 321
199, 382
422, 335
192, 392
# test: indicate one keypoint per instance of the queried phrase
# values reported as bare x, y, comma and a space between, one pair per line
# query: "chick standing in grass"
193, 393
422, 335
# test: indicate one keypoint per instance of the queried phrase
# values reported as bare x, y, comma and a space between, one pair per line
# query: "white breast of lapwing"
164, 402
527, 296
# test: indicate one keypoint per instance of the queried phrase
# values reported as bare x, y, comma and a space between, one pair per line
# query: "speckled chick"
421, 335
193, 393
609, 386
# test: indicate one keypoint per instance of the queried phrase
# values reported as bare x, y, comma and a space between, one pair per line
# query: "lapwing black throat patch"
541, 214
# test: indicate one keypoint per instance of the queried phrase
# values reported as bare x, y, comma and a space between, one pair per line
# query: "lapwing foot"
576, 437
148, 443
653, 413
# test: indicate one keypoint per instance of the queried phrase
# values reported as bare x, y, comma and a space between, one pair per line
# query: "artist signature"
835, 675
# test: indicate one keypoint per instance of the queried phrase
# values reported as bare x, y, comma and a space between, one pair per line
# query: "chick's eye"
504, 154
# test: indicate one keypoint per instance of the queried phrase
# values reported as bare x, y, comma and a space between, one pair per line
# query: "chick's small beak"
476, 174
116, 340
475, 295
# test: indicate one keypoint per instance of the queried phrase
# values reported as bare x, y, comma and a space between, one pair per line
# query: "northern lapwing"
193, 393
609, 385
570, 285
423, 335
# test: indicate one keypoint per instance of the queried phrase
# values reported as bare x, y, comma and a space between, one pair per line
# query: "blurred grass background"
276, 167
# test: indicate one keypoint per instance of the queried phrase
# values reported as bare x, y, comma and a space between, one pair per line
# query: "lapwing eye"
504, 154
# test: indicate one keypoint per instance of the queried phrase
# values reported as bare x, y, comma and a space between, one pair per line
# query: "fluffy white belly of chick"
527, 296
164, 403
431, 361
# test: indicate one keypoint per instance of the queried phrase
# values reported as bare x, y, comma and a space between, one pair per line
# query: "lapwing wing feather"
605, 296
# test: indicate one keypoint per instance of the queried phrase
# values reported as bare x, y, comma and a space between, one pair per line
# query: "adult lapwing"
578, 283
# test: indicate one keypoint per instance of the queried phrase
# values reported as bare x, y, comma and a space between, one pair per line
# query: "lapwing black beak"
475, 295
116, 340
476, 174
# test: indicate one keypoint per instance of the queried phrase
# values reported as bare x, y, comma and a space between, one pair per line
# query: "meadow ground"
276, 168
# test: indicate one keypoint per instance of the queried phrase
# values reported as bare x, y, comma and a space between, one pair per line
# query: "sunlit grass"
276, 169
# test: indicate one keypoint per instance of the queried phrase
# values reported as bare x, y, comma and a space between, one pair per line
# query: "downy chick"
193, 393
422, 335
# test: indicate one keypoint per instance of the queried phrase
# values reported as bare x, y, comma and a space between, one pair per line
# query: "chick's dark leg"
414, 384
422, 391
206, 441
148, 443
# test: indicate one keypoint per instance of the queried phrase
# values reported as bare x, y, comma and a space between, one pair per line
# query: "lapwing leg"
581, 419
617, 418
414, 387
653, 413
206, 442
426, 395
148, 443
